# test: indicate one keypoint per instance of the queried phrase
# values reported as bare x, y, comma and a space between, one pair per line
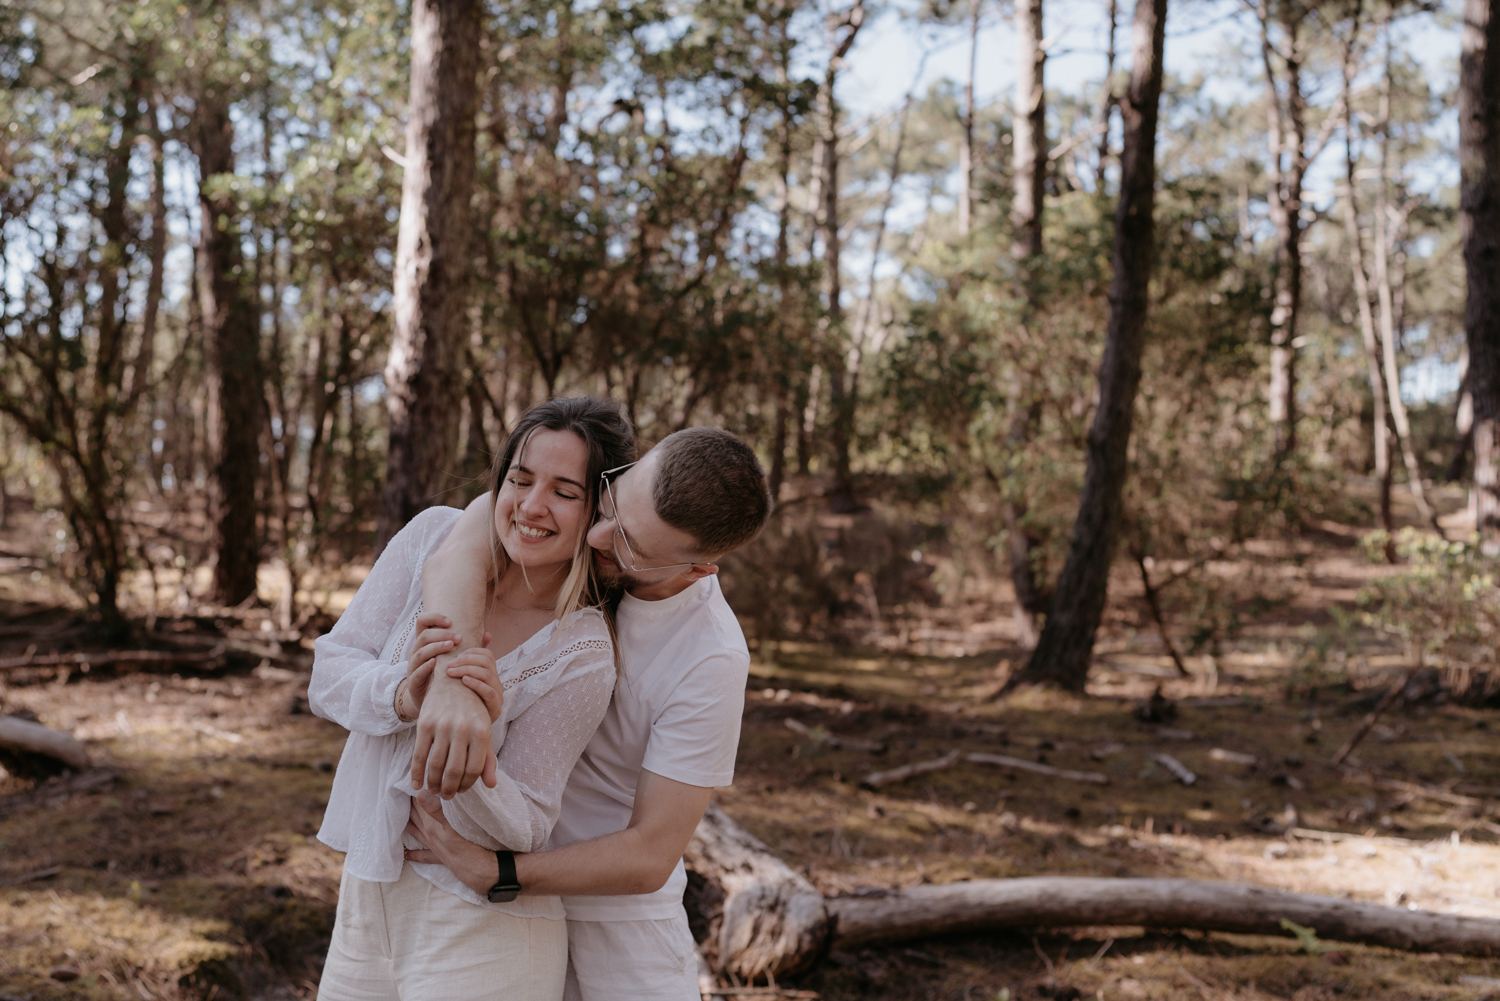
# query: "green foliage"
647, 225
1443, 603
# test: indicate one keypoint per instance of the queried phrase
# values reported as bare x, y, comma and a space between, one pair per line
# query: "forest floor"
183, 863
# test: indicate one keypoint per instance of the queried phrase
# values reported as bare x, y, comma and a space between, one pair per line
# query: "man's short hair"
710, 485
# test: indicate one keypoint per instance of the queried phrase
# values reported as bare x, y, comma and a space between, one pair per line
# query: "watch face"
503, 894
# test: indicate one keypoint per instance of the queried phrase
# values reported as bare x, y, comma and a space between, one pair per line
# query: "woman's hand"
476, 670
473, 864
435, 639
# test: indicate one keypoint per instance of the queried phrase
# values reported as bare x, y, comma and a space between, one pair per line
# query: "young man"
670, 735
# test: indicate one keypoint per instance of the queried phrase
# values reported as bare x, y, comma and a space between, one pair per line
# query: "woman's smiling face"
543, 507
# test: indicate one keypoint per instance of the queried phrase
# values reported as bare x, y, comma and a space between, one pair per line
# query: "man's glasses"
624, 553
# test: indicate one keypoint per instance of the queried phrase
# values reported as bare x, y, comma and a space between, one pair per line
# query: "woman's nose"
533, 503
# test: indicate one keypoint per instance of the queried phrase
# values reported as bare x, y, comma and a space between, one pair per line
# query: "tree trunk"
1029, 169
1028, 134
1390, 330
966, 119
1106, 97
1479, 220
231, 330
1287, 134
1463, 429
1062, 654
755, 916
842, 384
424, 375
1379, 433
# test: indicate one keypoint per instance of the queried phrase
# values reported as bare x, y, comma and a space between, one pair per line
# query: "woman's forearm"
453, 747
455, 577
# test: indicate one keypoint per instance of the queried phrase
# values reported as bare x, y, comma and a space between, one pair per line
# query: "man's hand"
474, 865
474, 668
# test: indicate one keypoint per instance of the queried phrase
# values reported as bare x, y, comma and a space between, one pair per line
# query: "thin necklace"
521, 608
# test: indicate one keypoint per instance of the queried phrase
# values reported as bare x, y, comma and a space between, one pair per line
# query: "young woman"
545, 671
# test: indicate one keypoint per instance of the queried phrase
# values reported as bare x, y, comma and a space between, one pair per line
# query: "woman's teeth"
533, 533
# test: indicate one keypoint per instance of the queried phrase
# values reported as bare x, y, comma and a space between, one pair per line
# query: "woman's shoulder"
583, 628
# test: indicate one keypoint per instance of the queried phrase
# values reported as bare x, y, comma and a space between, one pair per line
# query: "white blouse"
557, 687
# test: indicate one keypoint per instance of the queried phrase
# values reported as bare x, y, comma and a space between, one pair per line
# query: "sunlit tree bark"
424, 374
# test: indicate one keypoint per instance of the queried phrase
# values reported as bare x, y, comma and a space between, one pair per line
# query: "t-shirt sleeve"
695, 737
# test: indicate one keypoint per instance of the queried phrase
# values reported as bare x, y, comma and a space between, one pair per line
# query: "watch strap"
506, 887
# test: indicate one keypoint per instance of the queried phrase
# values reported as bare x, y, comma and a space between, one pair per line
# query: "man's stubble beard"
615, 577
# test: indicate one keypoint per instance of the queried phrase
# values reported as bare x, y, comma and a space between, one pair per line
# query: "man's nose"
602, 535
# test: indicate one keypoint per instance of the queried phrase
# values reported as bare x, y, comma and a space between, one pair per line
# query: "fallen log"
18, 734
1059, 902
763, 919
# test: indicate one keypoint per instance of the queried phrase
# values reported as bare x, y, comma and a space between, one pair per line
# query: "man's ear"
700, 570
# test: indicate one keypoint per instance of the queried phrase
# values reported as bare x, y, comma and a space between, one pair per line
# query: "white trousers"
410, 941
631, 961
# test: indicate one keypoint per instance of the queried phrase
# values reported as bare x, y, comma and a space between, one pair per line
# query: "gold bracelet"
400, 689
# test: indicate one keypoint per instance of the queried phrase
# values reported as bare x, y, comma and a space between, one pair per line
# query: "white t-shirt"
676, 712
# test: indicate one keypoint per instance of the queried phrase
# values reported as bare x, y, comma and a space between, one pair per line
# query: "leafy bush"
1445, 606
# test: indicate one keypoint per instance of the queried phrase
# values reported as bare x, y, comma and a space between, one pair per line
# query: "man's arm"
453, 729
638, 859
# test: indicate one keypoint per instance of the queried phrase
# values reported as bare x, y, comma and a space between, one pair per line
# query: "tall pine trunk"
1061, 657
231, 332
1379, 432
843, 383
1287, 133
1029, 164
424, 374
966, 120
1479, 219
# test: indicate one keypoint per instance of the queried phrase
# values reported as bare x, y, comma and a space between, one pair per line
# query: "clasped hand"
453, 737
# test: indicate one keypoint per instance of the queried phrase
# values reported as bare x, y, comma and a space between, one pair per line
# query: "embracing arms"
638, 859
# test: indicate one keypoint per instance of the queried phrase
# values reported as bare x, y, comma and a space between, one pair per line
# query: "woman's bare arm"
453, 731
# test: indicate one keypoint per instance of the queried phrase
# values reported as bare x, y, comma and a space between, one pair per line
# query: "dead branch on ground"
1369, 721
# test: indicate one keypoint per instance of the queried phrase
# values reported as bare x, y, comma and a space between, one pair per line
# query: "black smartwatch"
506, 888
